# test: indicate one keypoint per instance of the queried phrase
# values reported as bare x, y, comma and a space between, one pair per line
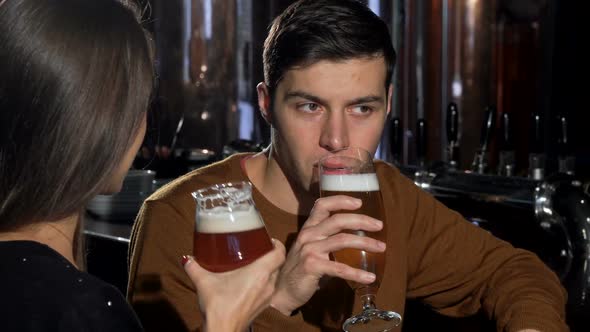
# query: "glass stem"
368, 302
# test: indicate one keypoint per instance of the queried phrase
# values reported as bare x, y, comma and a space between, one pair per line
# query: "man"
328, 66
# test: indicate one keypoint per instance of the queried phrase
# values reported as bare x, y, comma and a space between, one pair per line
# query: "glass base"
372, 320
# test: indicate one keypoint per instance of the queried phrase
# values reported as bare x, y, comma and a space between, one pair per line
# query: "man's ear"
264, 102
389, 98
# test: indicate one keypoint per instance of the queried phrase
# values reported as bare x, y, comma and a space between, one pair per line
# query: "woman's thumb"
192, 268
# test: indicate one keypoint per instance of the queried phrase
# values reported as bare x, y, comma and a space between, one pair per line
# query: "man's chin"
312, 188
308, 187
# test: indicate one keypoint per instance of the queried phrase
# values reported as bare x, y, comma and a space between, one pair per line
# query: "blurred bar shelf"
118, 230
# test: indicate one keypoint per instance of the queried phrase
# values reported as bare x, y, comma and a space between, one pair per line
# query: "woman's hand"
229, 301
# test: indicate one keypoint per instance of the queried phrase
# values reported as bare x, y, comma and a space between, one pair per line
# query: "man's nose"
334, 134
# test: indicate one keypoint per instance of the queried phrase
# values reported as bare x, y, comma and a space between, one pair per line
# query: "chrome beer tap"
506, 158
452, 135
480, 162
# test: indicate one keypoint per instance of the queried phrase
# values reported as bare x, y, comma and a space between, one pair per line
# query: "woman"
75, 81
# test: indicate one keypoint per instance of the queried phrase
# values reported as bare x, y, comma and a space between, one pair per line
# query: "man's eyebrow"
318, 100
304, 95
367, 99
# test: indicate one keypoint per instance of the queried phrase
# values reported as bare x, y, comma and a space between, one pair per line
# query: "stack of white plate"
123, 206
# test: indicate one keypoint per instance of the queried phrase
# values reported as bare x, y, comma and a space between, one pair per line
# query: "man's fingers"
341, 241
351, 241
347, 222
337, 269
340, 270
325, 205
315, 261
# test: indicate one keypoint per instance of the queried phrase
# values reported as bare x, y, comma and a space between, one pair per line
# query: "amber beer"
225, 240
366, 188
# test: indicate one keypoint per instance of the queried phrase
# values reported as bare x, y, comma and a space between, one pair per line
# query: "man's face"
324, 107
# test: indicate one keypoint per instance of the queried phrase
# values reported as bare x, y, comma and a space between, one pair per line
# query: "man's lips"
334, 167
333, 163
337, 171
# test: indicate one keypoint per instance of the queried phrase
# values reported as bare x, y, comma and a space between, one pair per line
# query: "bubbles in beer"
363, 186
220, 220
231, 195
229, 232
350, 182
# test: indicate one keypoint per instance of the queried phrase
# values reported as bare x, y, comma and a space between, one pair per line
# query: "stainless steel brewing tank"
197, 60
445, 53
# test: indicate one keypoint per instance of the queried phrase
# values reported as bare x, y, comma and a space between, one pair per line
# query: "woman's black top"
42, 291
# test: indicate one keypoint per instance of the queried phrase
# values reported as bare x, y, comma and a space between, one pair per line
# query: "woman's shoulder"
40, 282
97, 306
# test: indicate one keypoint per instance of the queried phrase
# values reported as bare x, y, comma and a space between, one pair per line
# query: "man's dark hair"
309, 31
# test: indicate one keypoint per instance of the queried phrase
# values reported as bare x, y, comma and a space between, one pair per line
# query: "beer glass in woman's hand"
229, 231
351, 172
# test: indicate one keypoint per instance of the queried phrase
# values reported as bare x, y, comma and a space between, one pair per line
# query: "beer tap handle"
480, 162
487, 128
562, 139
566, 161
506, 162
396, 146
506, 143
421, 143
537, 134
536, 155
452, 123
452, 133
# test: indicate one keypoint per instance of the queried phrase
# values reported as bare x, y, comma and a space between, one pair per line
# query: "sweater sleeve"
458, 268
159, 290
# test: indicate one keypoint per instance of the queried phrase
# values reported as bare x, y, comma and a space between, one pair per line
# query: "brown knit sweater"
433, 254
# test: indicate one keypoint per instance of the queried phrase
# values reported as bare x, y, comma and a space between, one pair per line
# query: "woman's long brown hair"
75, 80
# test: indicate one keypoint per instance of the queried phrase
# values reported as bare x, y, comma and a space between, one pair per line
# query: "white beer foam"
221, 221
350, 182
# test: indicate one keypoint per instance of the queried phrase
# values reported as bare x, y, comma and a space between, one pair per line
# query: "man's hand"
308, 259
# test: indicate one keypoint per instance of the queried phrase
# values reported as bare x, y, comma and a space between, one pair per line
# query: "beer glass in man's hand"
229, 231
351, 172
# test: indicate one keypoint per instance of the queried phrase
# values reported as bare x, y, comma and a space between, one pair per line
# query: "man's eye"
309, 107
362, 109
